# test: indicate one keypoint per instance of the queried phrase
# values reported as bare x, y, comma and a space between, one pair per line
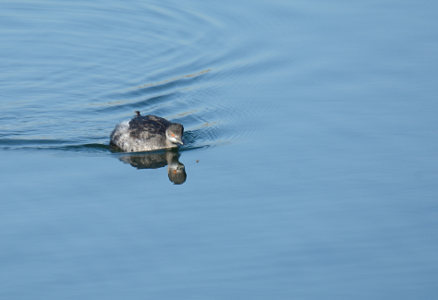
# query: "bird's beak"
180, 142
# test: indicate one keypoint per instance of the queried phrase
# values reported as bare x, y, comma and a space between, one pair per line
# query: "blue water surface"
310, 150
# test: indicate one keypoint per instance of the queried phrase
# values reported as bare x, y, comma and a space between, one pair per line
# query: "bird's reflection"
175, 170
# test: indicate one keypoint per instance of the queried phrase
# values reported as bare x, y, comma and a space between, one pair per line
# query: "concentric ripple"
84, 71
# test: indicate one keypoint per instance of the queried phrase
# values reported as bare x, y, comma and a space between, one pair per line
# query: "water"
310, 150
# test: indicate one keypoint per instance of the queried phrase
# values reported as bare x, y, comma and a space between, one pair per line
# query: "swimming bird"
146, 133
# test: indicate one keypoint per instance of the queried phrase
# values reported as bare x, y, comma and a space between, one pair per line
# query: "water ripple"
80, 72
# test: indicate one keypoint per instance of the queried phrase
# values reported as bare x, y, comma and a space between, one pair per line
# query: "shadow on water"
140, 160
154, 160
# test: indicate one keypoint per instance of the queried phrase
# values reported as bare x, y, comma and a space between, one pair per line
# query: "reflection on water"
175, 169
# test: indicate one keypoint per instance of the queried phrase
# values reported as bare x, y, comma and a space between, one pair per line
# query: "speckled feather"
144, 133
148, 126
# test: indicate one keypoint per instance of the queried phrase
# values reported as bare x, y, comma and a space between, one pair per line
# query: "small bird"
146, 133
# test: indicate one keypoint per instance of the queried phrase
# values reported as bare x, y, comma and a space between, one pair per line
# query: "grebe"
146, 133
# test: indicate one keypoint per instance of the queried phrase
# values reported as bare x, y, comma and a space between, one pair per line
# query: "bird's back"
150, 125
142, 133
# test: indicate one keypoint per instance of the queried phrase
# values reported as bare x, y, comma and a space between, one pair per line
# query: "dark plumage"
146, 133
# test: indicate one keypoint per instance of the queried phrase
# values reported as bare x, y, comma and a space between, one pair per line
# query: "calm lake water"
310, 150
